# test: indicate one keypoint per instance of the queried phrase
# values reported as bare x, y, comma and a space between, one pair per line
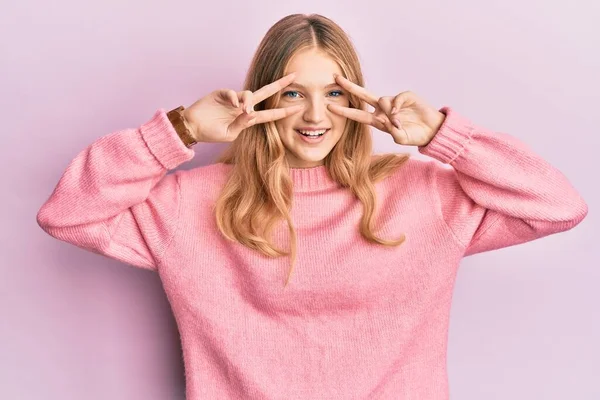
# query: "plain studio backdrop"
75, 325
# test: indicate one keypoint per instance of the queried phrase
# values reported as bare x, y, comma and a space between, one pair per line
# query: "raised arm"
115, 198
499, 192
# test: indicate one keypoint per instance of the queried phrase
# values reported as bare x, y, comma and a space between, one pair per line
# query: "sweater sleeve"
498, 193
116, 199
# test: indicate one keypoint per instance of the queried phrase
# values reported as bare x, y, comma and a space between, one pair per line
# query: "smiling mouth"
313, 135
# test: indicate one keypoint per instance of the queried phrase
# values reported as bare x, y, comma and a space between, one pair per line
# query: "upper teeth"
313, 132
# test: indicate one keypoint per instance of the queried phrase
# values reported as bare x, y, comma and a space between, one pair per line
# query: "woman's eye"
291, 91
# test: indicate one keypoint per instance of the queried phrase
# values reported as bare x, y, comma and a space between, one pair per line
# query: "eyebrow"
334, 84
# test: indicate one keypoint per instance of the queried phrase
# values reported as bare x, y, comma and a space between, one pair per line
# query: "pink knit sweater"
357, 320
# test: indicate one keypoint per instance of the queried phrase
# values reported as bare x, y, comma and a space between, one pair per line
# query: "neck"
307, 179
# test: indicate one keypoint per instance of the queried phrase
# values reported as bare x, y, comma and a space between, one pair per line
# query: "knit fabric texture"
357, 320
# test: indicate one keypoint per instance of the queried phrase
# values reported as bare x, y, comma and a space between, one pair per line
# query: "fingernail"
397, 123
248, 109
394, 109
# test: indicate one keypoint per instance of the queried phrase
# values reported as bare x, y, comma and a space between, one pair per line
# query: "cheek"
339, 120
282, 125
288, 122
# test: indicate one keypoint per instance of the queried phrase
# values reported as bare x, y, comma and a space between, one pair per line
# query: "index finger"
272, 88
360, 91
274, 114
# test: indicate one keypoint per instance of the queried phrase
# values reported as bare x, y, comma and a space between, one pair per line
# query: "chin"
307, 161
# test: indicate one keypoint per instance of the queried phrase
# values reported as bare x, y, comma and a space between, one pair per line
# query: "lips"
312, 130
312, 139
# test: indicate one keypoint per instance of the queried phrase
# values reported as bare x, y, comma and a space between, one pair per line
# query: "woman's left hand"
406, 117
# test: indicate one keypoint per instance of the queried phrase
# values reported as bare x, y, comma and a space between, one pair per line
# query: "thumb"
401, 100
242, 122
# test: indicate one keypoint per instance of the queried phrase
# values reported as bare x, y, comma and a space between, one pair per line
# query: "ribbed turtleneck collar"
311, 179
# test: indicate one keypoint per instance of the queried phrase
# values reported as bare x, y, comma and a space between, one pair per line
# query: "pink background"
75, 325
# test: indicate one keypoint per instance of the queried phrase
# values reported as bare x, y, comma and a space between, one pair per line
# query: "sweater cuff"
164, 142
451, 139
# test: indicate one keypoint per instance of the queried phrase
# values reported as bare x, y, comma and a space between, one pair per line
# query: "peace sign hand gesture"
223, 114
406, 117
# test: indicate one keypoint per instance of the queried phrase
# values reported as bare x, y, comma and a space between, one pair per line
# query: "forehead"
313, 68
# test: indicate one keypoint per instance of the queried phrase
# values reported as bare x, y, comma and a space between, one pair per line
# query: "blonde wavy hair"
259, 190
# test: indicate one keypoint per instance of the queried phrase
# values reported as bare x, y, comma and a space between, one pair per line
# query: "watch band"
181, 127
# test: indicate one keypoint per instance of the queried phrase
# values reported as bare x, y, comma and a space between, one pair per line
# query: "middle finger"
357, 115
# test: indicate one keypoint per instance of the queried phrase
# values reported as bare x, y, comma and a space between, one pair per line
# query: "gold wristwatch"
181, 127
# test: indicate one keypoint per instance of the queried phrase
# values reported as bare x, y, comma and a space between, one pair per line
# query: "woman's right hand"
223, 114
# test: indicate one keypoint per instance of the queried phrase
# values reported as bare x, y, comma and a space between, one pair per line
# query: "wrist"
437, 122
187, 118
434, 124
182, 126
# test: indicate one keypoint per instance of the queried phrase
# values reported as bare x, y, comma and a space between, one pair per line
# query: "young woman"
374, 241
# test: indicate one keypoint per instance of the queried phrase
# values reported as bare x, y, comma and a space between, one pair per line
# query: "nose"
315, 111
